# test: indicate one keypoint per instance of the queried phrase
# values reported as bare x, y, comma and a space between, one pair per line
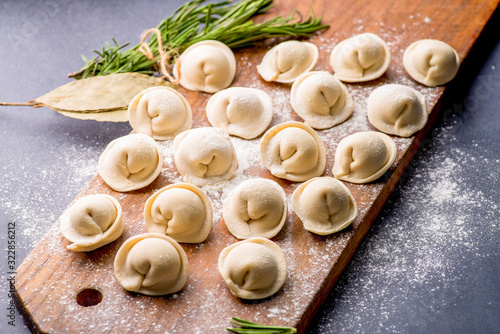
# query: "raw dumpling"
397, 110
360, 58
287, 60
364, 157
152, 264
321, 100
91, 222
293, 151
431, 62
242, 112
207, 66
324, 205
256, 208
130, 162
205, 156
160, 112
253, 269
181, 211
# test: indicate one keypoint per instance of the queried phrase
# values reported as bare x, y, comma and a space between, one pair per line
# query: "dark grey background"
431, 262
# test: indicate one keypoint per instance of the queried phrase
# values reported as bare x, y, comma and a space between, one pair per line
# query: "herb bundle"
247, 327
228, 22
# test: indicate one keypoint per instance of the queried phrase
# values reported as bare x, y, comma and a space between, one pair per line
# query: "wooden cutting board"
59, 291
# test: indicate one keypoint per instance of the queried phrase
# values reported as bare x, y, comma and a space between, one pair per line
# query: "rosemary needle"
228, 22
249, 327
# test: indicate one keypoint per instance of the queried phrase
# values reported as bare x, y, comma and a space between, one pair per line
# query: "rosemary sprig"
228, 22
248, 327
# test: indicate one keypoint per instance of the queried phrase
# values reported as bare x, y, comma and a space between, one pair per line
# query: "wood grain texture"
50, 278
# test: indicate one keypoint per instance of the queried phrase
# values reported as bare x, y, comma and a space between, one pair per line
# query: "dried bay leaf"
118, 115
98, 94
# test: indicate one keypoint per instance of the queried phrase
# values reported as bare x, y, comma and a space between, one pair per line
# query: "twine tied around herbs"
165, 67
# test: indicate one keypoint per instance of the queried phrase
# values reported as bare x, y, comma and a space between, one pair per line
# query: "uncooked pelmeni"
243, 112
256, 208
130, 162
360, 58
207, 66
287, 60
152, 264
364, 157
253, 269
160, 112
91, 222
181, 211
205, 156
293, 151
324, 205
431, 62
321, 99
397, 110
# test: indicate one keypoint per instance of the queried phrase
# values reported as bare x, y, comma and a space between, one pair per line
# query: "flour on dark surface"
409, 272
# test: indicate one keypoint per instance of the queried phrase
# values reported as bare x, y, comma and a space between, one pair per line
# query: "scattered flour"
420, 248
29, 207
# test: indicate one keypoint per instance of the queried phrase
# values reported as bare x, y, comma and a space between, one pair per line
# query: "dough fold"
431, 62
152, 264
205, 156
293, 151
181, 211
364, 157
256, 208
397, 110
324, 205
160, 112
253, 269
363, 57
243, 112
207, 66
287, 60
321, 100
92, 222
130, 162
